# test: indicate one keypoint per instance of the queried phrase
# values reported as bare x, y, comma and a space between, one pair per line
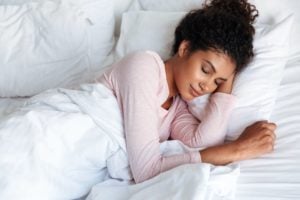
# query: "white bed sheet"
276, 176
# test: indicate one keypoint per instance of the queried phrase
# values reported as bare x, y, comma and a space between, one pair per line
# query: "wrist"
222, 154
237, 151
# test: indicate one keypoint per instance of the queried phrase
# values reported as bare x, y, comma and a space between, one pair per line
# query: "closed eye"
205, 71
218, 82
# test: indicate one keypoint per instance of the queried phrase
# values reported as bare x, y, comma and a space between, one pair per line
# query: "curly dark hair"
221, 25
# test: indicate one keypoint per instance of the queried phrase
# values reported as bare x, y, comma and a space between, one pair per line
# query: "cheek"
183, 80
211, 85
194, 73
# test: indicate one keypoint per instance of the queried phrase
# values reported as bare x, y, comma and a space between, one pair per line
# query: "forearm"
221, 154
256, 139
212, 129
227, 86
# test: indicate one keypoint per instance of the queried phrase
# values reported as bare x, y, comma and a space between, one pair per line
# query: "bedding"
9, 105
61, 142
194, 181
274, 176
165, 5
47, 44
57, 144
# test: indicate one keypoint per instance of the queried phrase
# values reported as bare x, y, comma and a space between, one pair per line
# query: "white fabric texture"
276, 176
46, 44
156, 36
256, 87
120, 6
166, 5
193, 181
61, 143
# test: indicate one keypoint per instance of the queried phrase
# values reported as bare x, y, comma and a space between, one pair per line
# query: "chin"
187, 97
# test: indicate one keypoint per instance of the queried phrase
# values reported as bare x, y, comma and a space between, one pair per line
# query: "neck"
170, 78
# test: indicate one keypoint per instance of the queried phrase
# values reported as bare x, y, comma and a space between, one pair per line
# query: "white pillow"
165, 5
46, 44
255, 88
147, 30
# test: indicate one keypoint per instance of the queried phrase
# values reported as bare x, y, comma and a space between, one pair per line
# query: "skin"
192, 74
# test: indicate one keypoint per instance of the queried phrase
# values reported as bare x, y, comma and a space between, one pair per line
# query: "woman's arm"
226, 87
212, 128
257, 139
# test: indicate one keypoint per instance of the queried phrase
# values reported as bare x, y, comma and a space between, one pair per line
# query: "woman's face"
200, 72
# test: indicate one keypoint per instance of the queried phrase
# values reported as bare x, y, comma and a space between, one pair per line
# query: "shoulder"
140, 65
142, 58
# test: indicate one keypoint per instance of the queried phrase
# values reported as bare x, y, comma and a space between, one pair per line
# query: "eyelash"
206, 72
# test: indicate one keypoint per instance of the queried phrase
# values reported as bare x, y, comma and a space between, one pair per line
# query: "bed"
274, 176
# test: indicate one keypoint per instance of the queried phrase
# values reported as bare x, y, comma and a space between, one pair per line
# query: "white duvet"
56, 147
62, 142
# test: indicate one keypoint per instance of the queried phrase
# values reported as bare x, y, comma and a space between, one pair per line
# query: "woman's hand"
226, 87
256, 140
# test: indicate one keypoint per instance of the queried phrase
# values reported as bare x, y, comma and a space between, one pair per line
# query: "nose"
207, 87
203, 87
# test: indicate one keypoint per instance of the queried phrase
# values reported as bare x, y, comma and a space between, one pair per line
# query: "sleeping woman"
211, 46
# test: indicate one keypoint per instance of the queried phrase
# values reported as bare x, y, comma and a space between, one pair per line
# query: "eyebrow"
214, 69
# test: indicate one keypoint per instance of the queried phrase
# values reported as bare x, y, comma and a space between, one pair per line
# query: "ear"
183, 49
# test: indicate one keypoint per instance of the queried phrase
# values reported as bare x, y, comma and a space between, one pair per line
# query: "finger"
261, 122
268, 146
273, 135
268, 125
271, 126
268, 138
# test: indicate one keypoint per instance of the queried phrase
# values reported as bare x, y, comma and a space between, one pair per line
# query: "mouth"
194, 92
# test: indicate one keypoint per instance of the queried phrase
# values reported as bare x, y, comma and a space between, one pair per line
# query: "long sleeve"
136, 83
211, 130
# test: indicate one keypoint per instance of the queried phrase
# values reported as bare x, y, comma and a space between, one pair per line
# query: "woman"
211, 45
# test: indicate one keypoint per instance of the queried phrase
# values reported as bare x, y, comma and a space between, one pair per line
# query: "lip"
195, 93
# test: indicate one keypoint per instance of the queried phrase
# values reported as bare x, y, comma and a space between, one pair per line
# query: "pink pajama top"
140, 85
